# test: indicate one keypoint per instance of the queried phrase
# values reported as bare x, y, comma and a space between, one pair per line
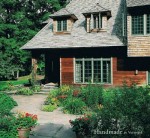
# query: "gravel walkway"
51, 124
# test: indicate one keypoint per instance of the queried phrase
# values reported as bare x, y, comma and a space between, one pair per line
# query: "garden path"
51, 124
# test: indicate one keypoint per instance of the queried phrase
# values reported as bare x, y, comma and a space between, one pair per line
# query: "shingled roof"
134, 3
96, 8
45, 39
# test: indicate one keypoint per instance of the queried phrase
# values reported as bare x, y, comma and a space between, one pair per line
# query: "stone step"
51, 84
47, 87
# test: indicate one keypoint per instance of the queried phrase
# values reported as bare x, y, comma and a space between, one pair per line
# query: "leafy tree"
20, 20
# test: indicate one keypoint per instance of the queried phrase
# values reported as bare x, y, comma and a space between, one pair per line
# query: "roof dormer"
96, 18
63, 21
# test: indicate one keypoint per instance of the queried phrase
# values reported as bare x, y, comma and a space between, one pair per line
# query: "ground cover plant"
7, 120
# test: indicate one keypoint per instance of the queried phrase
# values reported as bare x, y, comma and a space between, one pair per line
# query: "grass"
21, 80
6, 84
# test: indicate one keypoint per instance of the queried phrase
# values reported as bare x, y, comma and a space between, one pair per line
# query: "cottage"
101, 41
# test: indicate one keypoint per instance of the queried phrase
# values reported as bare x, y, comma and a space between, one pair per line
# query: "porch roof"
134, 3
45, 39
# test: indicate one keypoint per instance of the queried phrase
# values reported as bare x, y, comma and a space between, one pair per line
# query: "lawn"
21, 80
5, 84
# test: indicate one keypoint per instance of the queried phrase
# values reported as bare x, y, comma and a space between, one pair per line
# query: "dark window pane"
59, 26
137, 24
148, 24
97, 72
106, 72
79, 72
64, 25
87, 71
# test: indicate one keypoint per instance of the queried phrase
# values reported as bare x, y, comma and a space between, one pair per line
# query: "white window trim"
62, 26
83, 59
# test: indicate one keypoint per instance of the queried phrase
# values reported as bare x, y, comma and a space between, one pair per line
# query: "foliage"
125, 109
49, 107
25, 91
7, 127
7, 103
9, 85
26, 120
92, 95
74, 106
81, 125
19, 22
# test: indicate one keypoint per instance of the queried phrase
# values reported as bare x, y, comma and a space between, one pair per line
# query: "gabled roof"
62, 13
96, 8
134, 3
45, 39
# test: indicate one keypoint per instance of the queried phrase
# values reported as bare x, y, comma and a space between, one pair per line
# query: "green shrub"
6, 104
74, 106
7, 127
126, 109
92, 95
25, 91
49, 108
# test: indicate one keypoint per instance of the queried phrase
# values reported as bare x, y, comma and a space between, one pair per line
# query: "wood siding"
120, 73
67, 71
138, 46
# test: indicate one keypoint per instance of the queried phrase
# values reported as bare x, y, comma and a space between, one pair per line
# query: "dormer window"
61, 25
97, 21
63, 21
96, 18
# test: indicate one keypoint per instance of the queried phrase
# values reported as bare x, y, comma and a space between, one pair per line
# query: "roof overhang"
64, 16
107, 13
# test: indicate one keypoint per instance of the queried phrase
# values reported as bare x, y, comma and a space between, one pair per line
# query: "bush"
7, 127
81, 126
25, 91
6, 104
49, 108
126, 109
92, 95
74, 106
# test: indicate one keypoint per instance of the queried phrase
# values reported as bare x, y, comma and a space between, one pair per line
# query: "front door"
52, 69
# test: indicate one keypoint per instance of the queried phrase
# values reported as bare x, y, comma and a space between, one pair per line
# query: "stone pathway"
51, 124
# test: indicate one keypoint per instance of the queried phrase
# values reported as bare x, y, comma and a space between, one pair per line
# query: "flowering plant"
81, 125
26, 120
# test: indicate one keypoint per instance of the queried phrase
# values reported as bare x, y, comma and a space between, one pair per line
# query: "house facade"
100, 42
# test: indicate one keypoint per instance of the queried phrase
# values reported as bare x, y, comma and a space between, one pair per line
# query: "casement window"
61, 25
141, 24
148, 24
95, 21
93, 70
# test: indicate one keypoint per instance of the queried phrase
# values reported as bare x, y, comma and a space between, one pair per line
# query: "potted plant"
81, 126
25, 122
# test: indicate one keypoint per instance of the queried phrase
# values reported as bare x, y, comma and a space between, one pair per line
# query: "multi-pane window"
148, 24
97, 21
137, 24
61, 25
93, 70
141, 24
